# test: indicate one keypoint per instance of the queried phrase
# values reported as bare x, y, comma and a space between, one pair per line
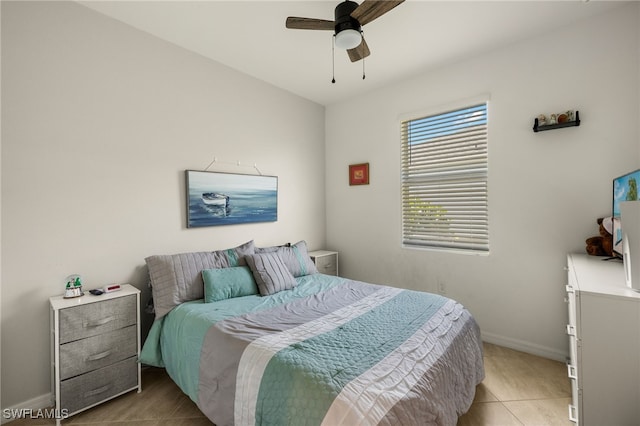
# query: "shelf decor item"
359, 174
556, 121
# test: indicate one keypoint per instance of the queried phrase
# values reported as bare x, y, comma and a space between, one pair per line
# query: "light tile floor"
519, 389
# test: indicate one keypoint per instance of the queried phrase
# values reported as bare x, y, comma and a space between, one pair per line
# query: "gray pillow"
271, 248
297, 259
177, 278
270, 273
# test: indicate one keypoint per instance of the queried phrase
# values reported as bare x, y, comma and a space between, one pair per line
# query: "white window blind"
444, 180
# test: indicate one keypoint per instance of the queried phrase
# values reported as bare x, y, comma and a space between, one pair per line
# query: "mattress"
329, 351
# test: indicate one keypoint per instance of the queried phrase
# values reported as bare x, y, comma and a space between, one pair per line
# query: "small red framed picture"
359, 174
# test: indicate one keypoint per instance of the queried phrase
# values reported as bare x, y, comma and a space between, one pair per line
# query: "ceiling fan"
349, 19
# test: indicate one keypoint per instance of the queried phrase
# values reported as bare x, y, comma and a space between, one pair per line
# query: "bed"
258, 336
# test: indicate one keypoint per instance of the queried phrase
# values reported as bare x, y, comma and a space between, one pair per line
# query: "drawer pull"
98, 356
571, 372
99, 322
97, 391
572, 414
569, 289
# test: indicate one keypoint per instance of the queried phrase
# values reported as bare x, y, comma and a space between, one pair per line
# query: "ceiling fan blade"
372, 9
359, 52
296, 23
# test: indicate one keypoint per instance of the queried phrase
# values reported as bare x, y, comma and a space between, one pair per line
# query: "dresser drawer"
92, 319
94, 387
576, 402
574, 351
88, 354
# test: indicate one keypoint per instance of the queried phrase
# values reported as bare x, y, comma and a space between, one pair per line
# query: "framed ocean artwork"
215, 198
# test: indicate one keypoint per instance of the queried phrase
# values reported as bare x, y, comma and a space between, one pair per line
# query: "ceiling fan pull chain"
333, 59
363, 55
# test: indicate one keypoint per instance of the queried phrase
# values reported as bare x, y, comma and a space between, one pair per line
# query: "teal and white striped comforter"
331, 351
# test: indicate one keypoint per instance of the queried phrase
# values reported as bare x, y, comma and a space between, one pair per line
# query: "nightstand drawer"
96, 318
88, 389
327, 265
96, 352
326, 261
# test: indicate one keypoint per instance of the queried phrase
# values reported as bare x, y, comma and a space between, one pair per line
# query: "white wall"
0, 206
99, 122
546, 189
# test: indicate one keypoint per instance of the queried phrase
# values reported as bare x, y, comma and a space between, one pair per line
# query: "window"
444, 180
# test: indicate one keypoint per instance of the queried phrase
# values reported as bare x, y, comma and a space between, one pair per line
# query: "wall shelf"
537, 128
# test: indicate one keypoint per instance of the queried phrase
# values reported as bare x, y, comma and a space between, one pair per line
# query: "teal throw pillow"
227, 283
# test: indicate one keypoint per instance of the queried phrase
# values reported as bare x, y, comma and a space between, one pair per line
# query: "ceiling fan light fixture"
348, 39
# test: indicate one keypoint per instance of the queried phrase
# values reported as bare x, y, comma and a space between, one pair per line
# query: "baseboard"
37, 403
523, 346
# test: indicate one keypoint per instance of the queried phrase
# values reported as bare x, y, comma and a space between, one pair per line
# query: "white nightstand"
95, 348
326, 261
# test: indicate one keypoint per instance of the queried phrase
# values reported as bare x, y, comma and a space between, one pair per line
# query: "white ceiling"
250, 36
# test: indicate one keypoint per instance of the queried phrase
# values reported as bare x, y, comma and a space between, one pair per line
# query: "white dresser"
95, 348
604, 342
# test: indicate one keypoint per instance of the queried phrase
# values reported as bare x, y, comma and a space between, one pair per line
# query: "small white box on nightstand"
111, 287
